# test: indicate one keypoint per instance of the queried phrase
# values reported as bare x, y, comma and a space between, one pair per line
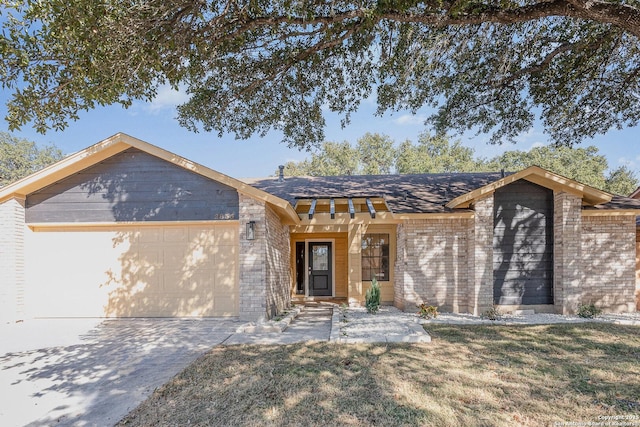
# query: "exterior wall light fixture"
251, 230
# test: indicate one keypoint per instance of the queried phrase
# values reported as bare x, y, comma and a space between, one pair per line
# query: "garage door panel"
132, 272
225, 305
225, 284
184, 282
149, 235
175, 234
225, 256
227, 237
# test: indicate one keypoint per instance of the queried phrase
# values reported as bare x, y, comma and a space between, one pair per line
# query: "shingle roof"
618, 202
419, 193
423, 193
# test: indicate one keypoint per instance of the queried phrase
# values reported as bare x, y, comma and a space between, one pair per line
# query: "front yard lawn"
468, 375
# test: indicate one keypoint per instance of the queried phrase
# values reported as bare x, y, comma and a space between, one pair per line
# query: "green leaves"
254, 66
20, 157
372, 297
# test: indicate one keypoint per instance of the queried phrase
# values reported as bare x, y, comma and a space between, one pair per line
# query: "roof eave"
535, 174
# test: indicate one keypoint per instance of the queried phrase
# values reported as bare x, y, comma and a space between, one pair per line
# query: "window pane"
320, 258
375, 257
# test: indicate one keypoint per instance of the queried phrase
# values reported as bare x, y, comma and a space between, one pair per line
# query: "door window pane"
320, 257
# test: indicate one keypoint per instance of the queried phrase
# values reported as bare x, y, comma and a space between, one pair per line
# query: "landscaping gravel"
357, 323
535, 319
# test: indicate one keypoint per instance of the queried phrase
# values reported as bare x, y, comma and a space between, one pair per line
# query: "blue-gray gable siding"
133, 186
523, 244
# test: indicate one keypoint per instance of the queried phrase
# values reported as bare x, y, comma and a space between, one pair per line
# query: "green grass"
468, 375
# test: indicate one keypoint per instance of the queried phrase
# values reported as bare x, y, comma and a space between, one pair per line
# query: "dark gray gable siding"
523, 244
133, 186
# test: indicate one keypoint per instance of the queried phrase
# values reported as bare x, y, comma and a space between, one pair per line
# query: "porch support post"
354, 240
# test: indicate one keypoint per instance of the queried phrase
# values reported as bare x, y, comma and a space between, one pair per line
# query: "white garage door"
133, 271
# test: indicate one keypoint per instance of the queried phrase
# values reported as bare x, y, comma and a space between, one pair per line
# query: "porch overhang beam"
372, 210
312, 209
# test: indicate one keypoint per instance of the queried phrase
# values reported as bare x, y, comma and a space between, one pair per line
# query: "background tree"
585, 165
435, 154
20, 157
621, 181
376, 153
250, 66
333, 158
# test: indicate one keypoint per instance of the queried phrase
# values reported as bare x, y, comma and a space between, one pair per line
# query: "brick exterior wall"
480, 266
252, 261
608, 262
567, 252
12, 230
432, 265
449, 262
278, 272
637, 268
400, 265
264, 262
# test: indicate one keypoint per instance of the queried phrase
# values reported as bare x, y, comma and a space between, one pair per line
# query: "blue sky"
257, 157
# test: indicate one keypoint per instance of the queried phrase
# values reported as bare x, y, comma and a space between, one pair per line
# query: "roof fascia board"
438, 215
324, 218
610, 212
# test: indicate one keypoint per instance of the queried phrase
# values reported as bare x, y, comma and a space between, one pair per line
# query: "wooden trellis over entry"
339, 207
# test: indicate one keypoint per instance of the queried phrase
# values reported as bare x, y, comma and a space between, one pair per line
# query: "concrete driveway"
90, 373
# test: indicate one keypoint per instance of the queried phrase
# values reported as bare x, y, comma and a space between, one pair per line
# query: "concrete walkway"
312, 324
356, 325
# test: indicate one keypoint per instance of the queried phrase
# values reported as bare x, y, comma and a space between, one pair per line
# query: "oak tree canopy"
251, 66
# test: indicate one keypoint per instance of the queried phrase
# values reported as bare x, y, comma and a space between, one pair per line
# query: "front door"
320, 269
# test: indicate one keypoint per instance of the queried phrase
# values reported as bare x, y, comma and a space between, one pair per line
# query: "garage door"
142, 271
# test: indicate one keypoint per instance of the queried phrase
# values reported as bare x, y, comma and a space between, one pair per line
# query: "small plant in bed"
427, 311
372, 297
589, 311
492, 314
